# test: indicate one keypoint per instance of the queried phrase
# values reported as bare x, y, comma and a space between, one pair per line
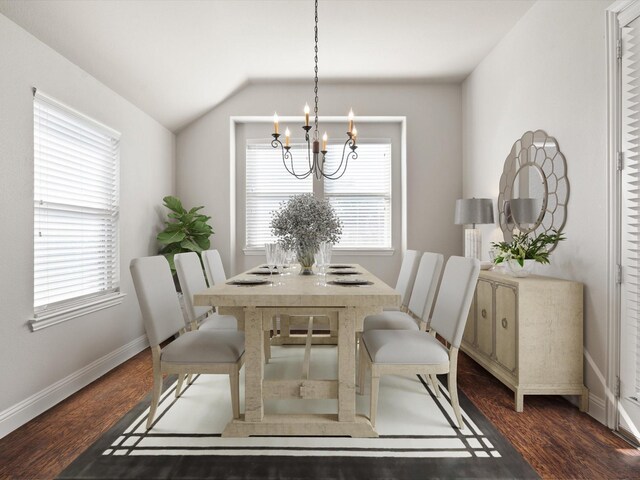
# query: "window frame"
401, 196
79, 305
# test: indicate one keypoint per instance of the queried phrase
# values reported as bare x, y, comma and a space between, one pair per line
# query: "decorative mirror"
534, 189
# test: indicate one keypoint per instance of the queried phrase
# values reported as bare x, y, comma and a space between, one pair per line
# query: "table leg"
253, 366
346, 365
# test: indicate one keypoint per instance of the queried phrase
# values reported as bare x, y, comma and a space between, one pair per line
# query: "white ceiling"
178, 59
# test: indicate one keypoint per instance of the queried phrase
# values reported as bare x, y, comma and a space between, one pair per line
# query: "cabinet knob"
504, 323
484, 313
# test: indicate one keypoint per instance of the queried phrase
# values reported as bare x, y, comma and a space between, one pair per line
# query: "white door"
629, 145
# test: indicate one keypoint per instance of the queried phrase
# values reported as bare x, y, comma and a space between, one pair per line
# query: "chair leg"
180, 384
453, 392
190, 379
434, 384
375, 383
155, 398
234, 380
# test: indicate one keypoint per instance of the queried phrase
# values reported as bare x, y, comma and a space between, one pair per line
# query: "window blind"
76, 208
267, 185
362, 196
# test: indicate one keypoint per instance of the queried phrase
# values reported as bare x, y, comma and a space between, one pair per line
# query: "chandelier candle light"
315, 164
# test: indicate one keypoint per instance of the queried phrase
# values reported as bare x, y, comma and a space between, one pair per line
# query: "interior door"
629, 145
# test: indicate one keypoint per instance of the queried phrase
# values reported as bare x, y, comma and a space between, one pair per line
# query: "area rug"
417, 435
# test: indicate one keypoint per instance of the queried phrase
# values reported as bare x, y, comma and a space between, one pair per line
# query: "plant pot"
306, 261
514, 269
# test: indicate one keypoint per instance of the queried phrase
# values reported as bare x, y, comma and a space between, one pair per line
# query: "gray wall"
549, 73
434, 166
34, 361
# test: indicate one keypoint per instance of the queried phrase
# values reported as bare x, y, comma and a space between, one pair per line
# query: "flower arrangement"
524, 250
302, 223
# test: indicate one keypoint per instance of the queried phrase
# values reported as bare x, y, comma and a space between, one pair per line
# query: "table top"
300, 290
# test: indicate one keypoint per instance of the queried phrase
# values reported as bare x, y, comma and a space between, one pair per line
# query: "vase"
306, 260
516, 270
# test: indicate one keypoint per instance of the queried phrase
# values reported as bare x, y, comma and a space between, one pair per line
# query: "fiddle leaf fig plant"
185, 230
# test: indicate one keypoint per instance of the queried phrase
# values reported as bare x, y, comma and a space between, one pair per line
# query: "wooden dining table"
255, 307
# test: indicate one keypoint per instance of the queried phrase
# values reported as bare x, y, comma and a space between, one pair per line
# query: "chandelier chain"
315, 80
315, 161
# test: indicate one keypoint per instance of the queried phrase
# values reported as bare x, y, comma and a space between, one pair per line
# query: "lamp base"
472, 243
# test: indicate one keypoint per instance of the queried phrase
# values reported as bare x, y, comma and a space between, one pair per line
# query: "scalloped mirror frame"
549, 161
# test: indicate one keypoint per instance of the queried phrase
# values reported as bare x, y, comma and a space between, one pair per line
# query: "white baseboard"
29, 408
597, 408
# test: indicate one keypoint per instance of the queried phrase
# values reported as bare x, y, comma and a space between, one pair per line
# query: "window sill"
340, 252
45, 320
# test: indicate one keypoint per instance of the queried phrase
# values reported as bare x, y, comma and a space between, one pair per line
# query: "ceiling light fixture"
316, 164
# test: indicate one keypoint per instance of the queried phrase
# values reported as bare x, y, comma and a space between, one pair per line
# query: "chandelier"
316, 164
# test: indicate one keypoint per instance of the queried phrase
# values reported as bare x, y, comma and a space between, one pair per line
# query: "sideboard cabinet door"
484, 317
506, 326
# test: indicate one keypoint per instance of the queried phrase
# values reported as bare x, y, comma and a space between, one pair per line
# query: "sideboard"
527, 332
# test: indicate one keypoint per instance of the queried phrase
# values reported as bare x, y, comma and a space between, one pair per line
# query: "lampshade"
524, 210
473, 211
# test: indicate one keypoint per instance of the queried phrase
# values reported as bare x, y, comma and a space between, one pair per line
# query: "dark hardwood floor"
552, 435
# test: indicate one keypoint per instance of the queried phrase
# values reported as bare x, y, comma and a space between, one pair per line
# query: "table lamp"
524, 211
473, 211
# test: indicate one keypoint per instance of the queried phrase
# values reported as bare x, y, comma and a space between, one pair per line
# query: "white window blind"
362, 196
76, 208
267, 185
630, 205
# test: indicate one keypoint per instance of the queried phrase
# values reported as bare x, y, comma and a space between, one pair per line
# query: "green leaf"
195, 209
170, 237
173, 203
203, 242
191, 246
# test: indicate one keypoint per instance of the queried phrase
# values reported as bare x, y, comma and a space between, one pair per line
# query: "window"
76, 211
268, 184
361, 197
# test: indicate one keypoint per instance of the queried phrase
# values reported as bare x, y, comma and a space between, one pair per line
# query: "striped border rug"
417, 435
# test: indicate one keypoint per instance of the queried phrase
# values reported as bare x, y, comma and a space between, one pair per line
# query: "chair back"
213, 267
407, 275
454, 298
425, 285
192, 281
157, 297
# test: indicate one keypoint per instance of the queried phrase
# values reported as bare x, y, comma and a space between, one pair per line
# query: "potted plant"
302, 223
185, 231
524, 251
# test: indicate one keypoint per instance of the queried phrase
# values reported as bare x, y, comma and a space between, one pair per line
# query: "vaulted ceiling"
178, 59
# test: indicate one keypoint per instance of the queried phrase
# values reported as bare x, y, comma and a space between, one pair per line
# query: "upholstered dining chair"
192, 352
406, 352
406, 278
422, 295
192, 281
213, 267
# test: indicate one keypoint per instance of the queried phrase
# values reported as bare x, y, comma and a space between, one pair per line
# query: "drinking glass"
319, 260
325, 251
271, 250
281, 259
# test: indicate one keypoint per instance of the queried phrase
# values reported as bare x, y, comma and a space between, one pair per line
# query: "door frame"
617, 13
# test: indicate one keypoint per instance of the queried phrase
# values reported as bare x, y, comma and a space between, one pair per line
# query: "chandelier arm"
351, 155
287, 155
349, 142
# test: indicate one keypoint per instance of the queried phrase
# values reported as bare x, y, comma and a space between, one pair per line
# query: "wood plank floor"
552, 435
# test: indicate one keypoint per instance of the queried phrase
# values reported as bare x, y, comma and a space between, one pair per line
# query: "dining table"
255, 306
